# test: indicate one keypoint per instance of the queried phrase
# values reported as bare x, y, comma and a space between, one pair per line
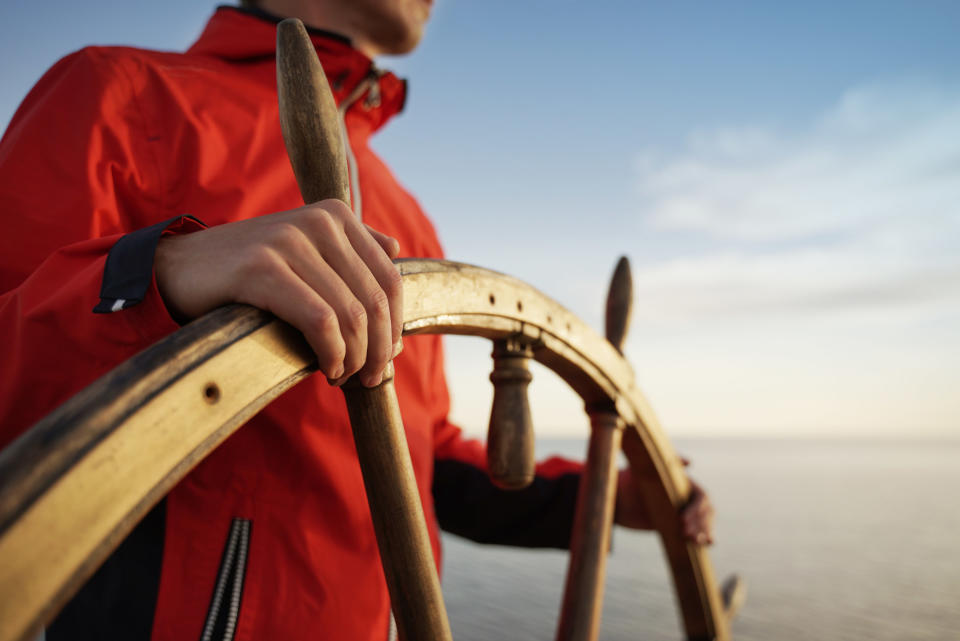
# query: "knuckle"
324, 336
324, 320
259, 260
393, 284
378, 307
319, 220
338, 209
284, 236
356, 316
337, 354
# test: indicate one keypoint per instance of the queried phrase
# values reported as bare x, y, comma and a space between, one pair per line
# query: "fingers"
389, 244
697, 517
366, 270
284, 293
371, 324
369, 245
352, 316
316, 267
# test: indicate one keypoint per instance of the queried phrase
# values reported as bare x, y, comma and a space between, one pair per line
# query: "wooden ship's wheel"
73, 486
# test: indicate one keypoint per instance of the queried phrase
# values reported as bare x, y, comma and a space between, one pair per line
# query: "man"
270, 536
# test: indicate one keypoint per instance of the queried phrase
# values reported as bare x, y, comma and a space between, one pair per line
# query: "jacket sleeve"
76, 175
468, 504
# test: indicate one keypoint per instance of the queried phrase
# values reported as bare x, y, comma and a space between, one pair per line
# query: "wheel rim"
91, 469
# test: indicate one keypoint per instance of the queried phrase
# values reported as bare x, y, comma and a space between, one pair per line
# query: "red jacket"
113, 140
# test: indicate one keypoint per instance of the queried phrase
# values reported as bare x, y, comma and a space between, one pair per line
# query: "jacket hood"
239, 34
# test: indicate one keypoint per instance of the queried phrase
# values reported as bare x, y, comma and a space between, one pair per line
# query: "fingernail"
338, 371
372, 380
397, 348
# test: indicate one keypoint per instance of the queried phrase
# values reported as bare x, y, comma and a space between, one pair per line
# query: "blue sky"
784, 178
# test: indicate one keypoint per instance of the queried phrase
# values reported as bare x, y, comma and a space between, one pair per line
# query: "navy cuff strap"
129, 269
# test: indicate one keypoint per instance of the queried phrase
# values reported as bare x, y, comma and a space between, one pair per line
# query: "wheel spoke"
590, 542
250, 368
397, 513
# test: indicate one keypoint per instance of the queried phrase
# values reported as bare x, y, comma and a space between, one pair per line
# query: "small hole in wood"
519, 306
549, 319
568, 327
211, 393
492, 299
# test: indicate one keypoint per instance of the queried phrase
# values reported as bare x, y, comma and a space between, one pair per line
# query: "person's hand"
316, 267
696, 517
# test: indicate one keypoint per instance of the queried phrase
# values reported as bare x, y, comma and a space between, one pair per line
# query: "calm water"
837, 540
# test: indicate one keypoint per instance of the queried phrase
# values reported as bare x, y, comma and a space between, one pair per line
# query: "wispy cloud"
859, 210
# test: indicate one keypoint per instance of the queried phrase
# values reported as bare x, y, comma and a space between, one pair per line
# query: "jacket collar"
243, 35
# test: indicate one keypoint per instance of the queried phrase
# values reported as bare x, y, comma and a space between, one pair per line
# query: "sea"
836, 539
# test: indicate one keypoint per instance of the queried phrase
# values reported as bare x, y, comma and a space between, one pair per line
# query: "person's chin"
403, 41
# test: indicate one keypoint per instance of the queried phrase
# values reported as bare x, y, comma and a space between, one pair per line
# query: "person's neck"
328, 17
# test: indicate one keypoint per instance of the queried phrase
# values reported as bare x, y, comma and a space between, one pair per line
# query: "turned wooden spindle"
590, 540
510, 455
308, 117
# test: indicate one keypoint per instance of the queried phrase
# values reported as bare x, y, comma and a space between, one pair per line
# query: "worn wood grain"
77, 483
36, 460
398, 517
308, 117
439, 297
176, 416
311, 131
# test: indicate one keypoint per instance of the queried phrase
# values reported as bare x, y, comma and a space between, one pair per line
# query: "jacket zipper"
370, 85
221, 622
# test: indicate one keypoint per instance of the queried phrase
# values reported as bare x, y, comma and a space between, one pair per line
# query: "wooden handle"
619, 304
583, 594
308, 116
510, 451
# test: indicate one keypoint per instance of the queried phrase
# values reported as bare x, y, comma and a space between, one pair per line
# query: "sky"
784, 177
